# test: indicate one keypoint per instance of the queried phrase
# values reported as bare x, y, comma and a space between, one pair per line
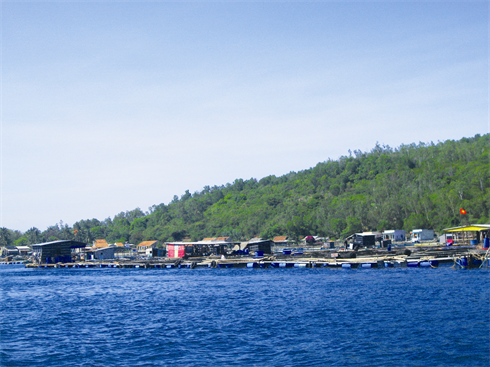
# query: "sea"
245, 317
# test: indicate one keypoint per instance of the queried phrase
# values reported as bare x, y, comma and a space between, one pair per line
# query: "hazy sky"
108, 106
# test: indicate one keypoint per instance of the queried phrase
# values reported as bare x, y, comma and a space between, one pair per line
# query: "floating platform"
461, 260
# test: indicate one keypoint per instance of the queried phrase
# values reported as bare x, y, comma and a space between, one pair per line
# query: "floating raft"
463, 261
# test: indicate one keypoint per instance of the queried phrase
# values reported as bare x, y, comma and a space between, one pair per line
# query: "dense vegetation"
413, 186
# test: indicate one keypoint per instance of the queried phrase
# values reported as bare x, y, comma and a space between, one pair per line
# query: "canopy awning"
469, 228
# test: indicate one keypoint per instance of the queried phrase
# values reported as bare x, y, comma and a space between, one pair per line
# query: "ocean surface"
245, 317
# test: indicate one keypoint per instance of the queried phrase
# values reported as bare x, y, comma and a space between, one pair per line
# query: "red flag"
462, 211
75, 232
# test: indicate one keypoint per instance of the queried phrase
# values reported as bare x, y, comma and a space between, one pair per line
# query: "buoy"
463, 262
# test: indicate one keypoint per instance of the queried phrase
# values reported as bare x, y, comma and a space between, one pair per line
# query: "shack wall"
265, 247
175, 251
365, 240
394, 235
423, 234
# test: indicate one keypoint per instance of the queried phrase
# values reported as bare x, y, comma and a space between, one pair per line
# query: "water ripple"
237, 317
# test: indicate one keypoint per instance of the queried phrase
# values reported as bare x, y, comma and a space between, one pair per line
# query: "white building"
394, 235
422, 235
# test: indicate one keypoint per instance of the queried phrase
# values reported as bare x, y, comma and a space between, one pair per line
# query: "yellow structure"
471, 234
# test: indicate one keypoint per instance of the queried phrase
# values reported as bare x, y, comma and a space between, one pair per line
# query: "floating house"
208, 246
394, 235
10, 250
260, 245
281, 240
422, 235
155, 252
104, 253
472, 234
23, 250
146, 245
123, 252
56, 251
365, 239
314, 240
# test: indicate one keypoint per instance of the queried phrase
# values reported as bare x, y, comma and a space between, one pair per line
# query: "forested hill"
413, 186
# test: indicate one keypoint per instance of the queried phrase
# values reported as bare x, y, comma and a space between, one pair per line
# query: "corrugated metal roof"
74, 244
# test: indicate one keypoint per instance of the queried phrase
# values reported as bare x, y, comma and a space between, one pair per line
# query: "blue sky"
108, 106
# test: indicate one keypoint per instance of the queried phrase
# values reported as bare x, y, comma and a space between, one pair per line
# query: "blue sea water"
245, 317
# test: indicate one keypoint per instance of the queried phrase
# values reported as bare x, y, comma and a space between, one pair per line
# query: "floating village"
465, 247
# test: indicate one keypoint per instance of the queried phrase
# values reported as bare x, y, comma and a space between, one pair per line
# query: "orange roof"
100, 243
146, 243
280, 238
222, 238
119, 244
209, 239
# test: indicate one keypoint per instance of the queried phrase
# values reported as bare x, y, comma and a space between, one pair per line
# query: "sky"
107, 106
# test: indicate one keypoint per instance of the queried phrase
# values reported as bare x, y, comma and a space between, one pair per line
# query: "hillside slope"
413, 186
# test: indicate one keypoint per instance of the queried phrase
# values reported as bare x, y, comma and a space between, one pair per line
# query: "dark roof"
72, 244
258, 241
